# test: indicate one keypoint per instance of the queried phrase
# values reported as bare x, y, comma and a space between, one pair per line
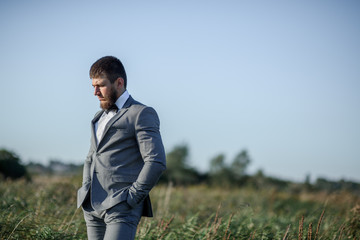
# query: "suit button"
98, 154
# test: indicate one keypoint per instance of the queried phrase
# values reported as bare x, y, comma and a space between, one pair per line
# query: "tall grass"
43, 209
46, 209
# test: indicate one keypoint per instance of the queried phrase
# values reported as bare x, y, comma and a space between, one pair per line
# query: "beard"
109, 101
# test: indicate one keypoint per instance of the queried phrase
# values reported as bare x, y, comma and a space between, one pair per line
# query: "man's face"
105, 91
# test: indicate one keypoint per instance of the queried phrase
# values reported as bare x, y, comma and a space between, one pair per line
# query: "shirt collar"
122, 99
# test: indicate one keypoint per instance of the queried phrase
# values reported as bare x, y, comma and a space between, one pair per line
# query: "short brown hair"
110, 68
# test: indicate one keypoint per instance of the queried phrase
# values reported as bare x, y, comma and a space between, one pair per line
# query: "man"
125, 160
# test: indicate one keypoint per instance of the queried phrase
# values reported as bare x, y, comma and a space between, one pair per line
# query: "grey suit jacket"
127, 162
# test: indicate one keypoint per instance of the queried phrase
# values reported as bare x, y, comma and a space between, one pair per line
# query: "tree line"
180, 172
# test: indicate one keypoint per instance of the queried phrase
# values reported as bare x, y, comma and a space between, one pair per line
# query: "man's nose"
96, 91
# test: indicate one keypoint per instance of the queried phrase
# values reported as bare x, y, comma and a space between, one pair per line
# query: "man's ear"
120, 83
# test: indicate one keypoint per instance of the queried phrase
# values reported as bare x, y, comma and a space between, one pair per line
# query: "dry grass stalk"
301, 228
319, 223
159, 225
309, 235
162, 225
71, 220
342, 227
214, 229
143, 228
287, 230
63, 223
216, 224
207, 225
166, 226
168, 223
354, 224
17, 225
159, 208
227, 228
229, 236
252, 235
164, 201
66, 223
167, 197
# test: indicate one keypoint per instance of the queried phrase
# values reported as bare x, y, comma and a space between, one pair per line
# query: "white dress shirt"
105, 117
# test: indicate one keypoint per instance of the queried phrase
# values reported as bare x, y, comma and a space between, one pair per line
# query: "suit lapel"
114, 119
93, 133
118, 115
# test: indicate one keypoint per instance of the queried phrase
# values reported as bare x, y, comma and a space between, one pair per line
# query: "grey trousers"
117, 223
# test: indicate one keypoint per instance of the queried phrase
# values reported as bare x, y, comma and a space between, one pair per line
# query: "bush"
10, 166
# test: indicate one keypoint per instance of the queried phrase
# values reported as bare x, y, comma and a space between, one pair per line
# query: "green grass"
46, 209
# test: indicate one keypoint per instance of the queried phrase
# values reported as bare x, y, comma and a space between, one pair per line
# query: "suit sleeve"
147, 129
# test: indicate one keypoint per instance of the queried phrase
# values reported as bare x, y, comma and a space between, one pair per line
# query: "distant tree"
35, 168
177, 158
258, 180
178, 170
307, 183
260, 173
229, 175
332, 186
54, 167
10, 166
217, 164
220, 173
239, 165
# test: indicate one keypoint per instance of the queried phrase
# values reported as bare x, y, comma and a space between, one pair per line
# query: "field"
46, 209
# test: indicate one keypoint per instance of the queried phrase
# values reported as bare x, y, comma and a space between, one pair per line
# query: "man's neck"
122, 99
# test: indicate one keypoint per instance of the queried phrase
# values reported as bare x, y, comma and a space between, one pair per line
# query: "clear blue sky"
278, 78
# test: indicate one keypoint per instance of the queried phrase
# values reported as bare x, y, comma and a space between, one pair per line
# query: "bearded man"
125, 160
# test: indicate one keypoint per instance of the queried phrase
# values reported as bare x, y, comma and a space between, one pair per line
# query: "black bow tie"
112, 108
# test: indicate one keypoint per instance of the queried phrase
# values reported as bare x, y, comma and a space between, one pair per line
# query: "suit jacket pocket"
123, 129
118, 132
120, 127
82, 192
125, 178
89, 157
